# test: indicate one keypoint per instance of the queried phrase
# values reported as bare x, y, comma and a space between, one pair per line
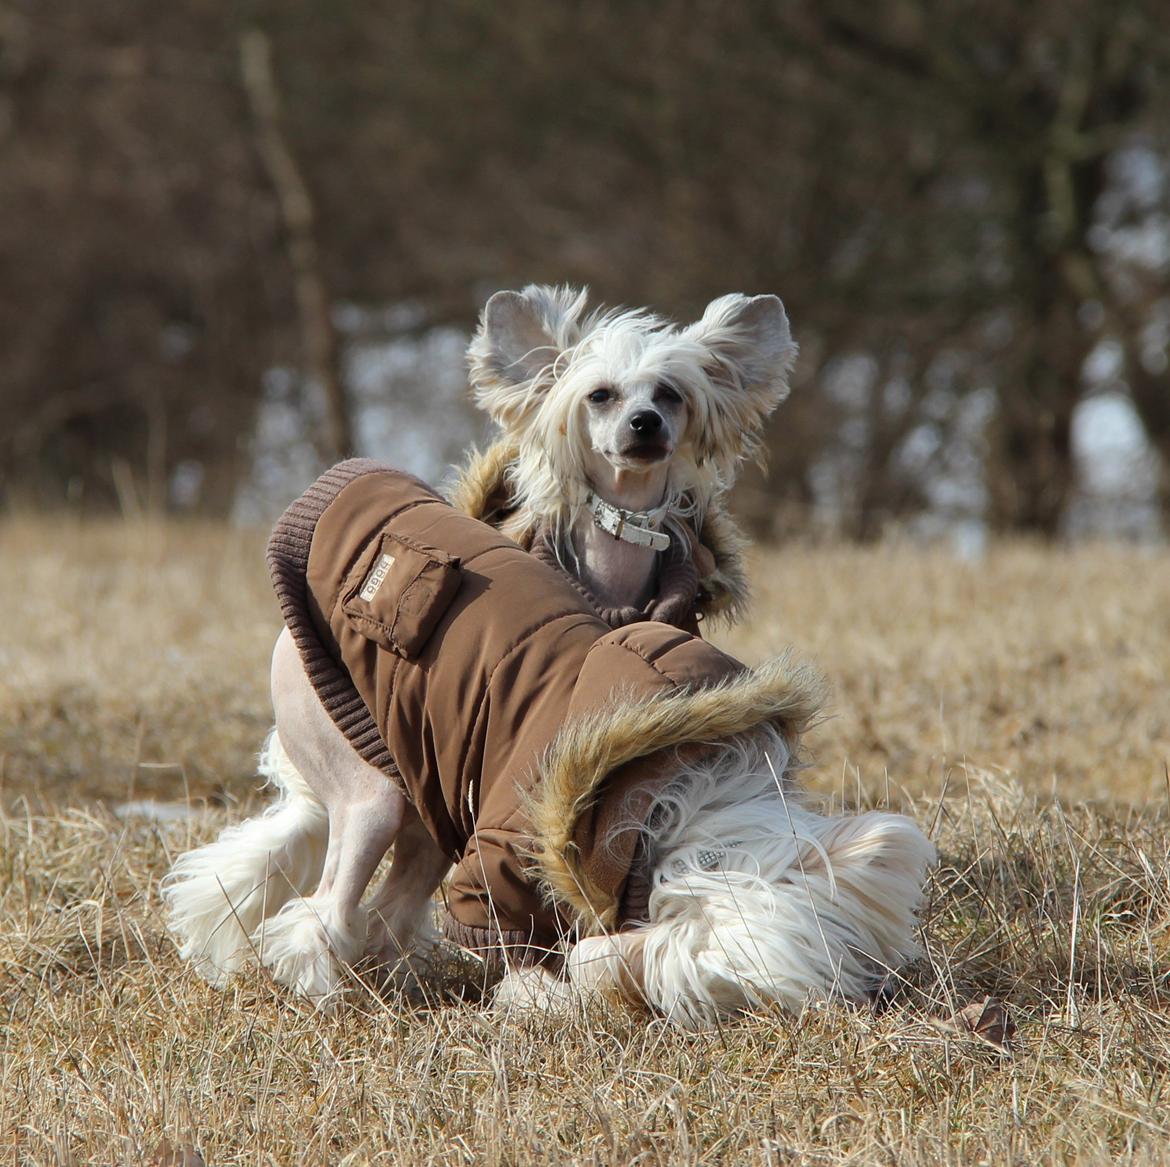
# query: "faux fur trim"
481, 487
481, 490
585, 752
727, 586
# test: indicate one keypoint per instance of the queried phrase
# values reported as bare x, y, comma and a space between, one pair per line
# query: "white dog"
617, 803
622, 432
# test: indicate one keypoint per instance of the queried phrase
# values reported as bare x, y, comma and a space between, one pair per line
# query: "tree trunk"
318, 336
1032, 475
1151, 398
1031, 470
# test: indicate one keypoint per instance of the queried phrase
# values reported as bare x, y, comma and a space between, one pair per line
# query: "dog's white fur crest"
799, 906
536, 354
218, 896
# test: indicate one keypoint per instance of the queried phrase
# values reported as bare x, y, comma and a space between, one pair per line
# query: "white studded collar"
628, 526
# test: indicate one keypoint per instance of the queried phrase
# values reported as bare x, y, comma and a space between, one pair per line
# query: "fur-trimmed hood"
578, 808
481, 489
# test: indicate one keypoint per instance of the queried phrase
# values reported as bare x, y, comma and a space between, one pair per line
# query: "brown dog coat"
530, 736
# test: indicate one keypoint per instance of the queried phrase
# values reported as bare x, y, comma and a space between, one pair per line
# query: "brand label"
376, 577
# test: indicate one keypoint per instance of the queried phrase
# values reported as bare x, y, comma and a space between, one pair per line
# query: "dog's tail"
804, 907
218, 895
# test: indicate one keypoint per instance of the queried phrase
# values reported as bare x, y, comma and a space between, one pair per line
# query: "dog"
621, 434
618, 805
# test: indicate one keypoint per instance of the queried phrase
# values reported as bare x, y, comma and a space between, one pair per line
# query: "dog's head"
579, 392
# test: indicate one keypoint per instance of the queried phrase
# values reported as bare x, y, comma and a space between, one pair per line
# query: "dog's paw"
410, 975
391, 941
307, 949
533, 989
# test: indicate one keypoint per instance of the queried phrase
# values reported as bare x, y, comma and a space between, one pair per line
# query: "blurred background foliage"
238, 239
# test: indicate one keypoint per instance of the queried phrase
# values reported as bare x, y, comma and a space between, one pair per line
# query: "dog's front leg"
609, 966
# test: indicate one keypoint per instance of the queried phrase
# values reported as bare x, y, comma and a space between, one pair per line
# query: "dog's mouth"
646, 452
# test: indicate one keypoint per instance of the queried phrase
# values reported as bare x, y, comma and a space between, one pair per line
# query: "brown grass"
1018, 707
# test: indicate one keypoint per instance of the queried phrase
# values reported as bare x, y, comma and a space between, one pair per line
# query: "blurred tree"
1037, 100
1131, 258
138, 243
318, 334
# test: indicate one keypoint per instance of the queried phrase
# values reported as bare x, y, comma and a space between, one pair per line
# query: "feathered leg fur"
246, 894
217, 895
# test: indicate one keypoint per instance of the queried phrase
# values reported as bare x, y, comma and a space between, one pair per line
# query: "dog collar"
628, 526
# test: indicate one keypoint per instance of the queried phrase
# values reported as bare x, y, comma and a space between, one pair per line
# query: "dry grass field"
1018, 707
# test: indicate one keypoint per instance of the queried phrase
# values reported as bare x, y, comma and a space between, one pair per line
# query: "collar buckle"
628, 526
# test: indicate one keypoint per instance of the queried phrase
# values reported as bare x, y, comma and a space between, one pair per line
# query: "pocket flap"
398, 591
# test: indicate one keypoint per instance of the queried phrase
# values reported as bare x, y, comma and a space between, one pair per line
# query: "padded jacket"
530, 736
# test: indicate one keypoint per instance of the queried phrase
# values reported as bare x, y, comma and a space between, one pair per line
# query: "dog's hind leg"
400, 911
217, 895
307, 943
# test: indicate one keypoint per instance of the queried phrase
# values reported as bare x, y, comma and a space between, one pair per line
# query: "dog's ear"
749, 352
514, 350
750, 345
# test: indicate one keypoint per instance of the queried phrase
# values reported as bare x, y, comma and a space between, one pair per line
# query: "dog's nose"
646, 423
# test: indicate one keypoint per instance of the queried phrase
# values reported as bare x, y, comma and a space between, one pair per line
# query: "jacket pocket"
398, 591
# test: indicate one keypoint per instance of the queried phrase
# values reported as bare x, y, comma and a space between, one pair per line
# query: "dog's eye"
668, 393
601, 396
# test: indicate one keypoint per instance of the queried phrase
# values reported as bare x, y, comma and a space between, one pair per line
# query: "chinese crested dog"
616, 808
